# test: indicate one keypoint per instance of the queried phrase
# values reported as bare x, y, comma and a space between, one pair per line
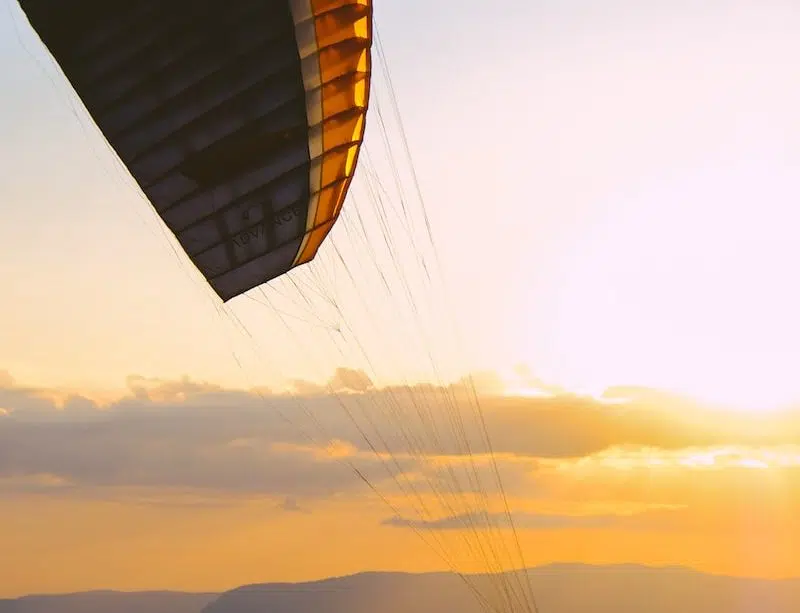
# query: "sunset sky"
612, 192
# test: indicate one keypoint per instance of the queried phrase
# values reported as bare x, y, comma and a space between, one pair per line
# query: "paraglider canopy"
241, 121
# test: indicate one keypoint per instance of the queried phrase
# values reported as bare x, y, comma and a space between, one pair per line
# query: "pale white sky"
612, 189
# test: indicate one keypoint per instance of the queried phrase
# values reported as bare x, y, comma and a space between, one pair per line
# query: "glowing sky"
622, 182
613, 194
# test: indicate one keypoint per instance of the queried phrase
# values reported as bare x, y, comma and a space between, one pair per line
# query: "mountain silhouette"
109, 602
559, 588
565, 588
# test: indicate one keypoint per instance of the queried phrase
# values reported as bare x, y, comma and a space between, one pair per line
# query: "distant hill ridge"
559, 588
110, 601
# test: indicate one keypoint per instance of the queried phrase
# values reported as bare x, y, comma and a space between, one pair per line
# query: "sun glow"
689, 289
717, 458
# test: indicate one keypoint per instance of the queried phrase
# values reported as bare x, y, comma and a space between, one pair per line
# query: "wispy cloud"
290, 505
529, 521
